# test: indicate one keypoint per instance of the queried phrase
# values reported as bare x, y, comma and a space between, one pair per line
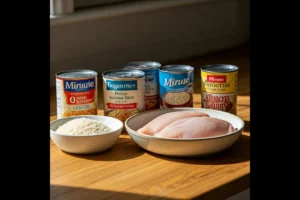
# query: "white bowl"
88, 144
183, 147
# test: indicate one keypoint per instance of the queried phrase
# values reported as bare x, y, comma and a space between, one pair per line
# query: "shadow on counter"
112, 154
66, 192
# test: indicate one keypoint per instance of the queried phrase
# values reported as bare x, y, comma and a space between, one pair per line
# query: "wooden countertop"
128, 172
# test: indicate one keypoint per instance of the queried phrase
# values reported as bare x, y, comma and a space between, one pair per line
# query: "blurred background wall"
107, 34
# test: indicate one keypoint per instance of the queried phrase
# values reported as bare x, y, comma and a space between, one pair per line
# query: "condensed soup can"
123, 92
176, 84
151, 81
76, 93
219, 85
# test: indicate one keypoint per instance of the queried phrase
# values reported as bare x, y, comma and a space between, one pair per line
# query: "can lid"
123, 73
76, 74
222, 68
142, 65
177, 68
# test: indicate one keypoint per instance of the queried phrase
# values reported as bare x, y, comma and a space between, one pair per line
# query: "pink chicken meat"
196, 127
162, 121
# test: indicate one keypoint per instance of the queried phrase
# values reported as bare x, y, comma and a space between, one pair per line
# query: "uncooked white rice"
83, 126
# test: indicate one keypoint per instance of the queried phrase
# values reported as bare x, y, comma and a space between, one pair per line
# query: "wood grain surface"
128, 172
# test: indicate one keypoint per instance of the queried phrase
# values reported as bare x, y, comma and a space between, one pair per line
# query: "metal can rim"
206, 68
104, 74
57, 75
147, 67
162, 68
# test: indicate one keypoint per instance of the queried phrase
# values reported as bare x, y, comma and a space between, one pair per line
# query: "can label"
76, 97
219, 91
176, 90
123, 98
151, 89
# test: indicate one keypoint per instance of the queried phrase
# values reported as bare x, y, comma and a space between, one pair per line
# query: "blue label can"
176, 84
151, 81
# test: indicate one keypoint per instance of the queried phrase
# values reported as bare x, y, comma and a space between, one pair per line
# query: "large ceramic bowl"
183, 147
86, 144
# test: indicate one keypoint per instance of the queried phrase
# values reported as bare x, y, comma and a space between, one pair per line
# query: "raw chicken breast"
161, 121
196, 127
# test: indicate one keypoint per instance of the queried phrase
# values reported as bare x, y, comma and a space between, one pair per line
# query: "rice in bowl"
83, 127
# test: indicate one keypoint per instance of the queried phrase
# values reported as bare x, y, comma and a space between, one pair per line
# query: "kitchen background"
107, 34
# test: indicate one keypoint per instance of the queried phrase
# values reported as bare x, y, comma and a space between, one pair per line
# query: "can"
123, 92
219, 85
151, 81
176, 85
76, 93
